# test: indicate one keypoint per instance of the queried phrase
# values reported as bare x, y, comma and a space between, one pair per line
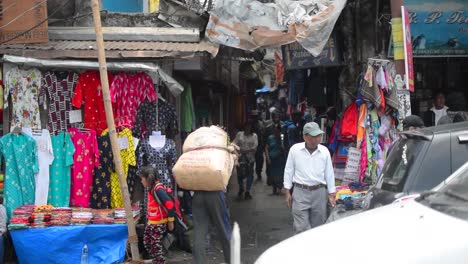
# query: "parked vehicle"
418, 162
427, 229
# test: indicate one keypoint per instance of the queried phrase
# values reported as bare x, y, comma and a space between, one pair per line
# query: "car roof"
435, 130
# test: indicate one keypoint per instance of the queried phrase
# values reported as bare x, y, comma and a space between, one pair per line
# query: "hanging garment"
187, 115
20, 154
297, 82
132, 180
146, 119
128, 91
24, 86
101, 192
45, 158
161, 159
127, 153
362, 121
1, 89
88, 91
60, 180
167, 117
350, 122
86, 158
59, 92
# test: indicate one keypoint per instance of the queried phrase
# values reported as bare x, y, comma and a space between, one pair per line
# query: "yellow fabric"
128, 158
153, 6
163, 221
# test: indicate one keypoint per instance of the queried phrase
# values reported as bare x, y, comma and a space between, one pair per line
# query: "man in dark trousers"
209, 209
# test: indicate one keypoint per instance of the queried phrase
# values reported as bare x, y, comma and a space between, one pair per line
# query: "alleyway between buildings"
264, 221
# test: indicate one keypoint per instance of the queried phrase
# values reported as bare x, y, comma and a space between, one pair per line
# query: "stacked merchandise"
61, 216
41, 216
120, 217
20, 218
81, 216
351, 196
103, 216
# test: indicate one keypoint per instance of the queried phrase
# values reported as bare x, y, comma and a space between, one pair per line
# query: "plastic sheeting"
173, 86
64, 244
249, 25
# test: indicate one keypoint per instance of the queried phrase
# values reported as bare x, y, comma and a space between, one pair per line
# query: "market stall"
58, 150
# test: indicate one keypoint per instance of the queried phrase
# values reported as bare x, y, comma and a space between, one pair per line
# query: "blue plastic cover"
64, 244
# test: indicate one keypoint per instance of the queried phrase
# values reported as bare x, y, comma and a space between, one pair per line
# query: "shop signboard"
409, 66
296, 57
439, 28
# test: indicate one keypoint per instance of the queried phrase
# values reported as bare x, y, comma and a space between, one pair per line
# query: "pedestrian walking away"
309, 176
276, 159
161, 215
210, 210
247, 142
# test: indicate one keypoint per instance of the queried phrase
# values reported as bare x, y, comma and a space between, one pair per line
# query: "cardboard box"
21, 15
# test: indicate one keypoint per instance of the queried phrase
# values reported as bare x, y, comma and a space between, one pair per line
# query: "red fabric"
382, 95
350, 122
128, 91
88, 91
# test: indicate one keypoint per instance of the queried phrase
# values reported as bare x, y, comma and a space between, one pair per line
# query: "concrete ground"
264, 221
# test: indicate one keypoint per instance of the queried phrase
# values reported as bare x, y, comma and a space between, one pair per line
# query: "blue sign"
296, 57
438, 28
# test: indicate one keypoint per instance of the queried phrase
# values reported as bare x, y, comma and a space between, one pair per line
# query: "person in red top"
161, 214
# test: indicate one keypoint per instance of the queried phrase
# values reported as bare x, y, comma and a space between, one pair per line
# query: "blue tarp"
64, 244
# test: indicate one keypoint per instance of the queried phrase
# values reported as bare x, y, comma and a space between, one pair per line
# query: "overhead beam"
127, 34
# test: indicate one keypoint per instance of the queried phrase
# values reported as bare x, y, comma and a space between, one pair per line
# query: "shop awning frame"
175, 87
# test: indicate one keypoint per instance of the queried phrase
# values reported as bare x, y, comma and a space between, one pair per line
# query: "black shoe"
248, 196
240, 195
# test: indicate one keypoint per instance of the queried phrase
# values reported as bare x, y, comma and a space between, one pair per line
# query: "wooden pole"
132, 236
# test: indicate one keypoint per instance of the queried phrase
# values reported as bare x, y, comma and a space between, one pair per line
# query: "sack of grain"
207, 162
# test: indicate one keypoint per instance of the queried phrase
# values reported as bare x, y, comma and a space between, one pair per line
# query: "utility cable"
22, 14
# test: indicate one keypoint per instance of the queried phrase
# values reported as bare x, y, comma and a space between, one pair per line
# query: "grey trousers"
209, 210
309, 208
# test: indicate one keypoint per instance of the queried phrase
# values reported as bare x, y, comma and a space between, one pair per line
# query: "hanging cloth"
350, 122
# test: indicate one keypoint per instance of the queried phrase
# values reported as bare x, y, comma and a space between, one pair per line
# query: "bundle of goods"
81, 216
103, 216
351, 195
207, 160
41, 216
61, 216
20, 218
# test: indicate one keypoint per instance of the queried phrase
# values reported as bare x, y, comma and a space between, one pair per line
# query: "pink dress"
86, 158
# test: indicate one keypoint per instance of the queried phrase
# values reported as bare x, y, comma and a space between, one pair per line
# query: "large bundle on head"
207, 160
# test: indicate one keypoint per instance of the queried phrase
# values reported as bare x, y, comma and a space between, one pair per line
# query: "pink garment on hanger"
364, 160
86, 158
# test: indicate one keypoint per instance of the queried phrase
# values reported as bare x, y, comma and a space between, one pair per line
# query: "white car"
430, 229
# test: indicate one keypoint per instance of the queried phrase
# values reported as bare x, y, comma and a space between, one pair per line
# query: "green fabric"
187, 114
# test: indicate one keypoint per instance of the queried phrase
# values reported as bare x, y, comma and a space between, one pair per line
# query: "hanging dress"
20, 154
86, 158
127, 153
101, 193
60, 179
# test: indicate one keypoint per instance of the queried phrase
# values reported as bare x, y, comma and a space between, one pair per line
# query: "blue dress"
21, 164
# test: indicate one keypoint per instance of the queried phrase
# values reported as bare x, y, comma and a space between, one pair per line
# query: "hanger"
17, 130
160, 97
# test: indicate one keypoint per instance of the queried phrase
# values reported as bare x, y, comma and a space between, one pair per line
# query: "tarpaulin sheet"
249, 24
64, 244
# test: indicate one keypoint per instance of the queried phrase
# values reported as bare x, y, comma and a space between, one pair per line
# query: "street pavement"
263, 221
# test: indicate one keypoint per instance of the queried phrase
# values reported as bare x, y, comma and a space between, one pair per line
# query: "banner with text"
439, 28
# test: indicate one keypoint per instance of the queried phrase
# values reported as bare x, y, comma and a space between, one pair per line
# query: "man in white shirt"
309, 170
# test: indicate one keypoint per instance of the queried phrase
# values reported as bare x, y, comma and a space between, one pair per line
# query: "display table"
64, 244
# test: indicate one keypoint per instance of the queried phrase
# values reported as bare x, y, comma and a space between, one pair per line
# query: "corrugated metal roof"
173, 47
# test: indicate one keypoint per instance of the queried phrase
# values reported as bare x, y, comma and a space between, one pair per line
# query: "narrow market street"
263, 221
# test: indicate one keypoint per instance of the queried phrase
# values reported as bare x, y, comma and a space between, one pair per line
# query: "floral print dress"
86, 158
24, 86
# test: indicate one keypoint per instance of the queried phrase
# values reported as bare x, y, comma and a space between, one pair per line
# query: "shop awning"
58, 49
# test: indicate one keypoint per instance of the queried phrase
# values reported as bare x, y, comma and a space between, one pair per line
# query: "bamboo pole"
132, 236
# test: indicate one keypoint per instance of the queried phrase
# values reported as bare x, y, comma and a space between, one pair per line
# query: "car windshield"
399, 164
452, 198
